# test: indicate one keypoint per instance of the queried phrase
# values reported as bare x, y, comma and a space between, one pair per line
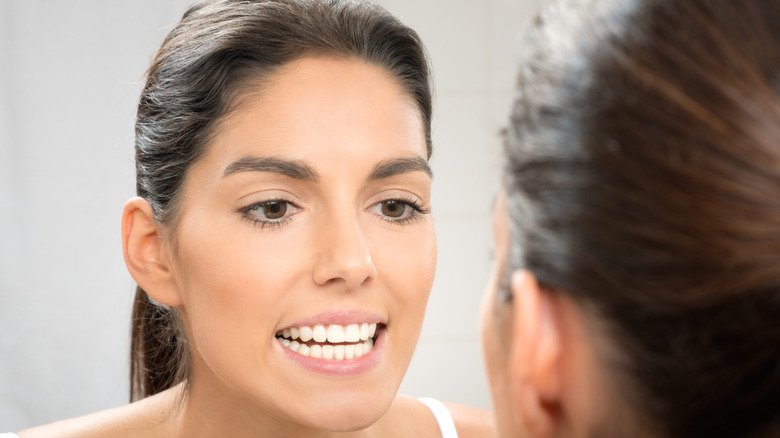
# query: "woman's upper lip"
341, 317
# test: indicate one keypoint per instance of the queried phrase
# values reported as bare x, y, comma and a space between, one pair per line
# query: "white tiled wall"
69, 81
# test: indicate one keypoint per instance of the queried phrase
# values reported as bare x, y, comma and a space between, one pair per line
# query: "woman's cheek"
227, 298
410, 266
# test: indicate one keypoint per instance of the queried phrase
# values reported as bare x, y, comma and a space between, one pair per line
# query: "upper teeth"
333, 333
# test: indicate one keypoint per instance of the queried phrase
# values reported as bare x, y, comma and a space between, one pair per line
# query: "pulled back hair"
643, 181
194, 80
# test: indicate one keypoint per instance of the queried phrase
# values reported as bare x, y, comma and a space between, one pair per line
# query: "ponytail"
157, 348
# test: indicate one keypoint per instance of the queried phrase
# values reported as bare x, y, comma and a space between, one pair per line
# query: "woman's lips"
334, 349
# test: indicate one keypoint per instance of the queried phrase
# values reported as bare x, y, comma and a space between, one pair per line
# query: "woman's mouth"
332, 341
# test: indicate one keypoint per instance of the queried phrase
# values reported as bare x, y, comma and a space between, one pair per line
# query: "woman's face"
305, 251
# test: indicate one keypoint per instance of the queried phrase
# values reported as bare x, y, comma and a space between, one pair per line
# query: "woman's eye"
274, 209
394, 210
270, 211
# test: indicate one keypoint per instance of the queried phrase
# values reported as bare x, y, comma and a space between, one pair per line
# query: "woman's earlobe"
145, 254
534, 361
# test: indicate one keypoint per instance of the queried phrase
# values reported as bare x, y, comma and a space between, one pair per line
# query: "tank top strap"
442, 415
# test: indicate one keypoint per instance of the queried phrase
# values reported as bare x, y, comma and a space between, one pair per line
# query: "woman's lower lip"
335, 367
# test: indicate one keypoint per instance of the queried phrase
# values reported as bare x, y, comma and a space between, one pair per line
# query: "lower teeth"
328, 351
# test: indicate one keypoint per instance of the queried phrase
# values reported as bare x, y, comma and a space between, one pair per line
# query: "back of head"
643, 181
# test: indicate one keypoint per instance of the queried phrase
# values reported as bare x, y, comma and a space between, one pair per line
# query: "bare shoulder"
471, 422
149, 417
408, 416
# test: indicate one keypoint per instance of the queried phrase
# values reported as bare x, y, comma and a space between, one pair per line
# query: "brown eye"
394, 209
273, 212
399, 211
274, 209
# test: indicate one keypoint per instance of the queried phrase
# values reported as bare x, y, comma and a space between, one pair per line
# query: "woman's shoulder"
411, 417
152, 417
148, 417
470, 421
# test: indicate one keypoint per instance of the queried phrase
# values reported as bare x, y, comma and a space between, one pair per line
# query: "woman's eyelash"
416, 205
246, 213
418, 211
257, 223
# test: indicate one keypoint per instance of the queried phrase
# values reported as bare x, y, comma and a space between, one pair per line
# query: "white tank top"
443, 417
440, 412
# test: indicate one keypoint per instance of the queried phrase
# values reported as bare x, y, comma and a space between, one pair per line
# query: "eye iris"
393, 209
275, 209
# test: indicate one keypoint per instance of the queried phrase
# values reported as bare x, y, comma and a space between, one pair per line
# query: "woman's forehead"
321, 109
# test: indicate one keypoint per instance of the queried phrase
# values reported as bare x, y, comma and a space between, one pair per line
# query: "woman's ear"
535, 363
146, 257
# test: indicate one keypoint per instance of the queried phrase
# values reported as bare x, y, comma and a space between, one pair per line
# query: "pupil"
275, 210
392, 209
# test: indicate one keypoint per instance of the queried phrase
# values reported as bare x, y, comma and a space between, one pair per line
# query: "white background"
70, 74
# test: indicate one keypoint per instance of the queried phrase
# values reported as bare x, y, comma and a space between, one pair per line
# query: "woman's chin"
346, 412
346, 423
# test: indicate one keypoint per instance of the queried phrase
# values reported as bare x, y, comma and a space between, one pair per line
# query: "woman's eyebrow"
304, 172
395, 166
293, 169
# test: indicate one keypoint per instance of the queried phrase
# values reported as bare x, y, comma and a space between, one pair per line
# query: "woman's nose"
344, 256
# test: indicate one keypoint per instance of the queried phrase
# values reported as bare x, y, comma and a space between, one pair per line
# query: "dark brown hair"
643, 181
194, 80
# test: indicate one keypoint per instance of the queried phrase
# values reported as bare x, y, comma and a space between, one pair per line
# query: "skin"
543, 357
238, 274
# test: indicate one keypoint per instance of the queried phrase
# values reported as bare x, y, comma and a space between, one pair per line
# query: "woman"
637, 291
281, 238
